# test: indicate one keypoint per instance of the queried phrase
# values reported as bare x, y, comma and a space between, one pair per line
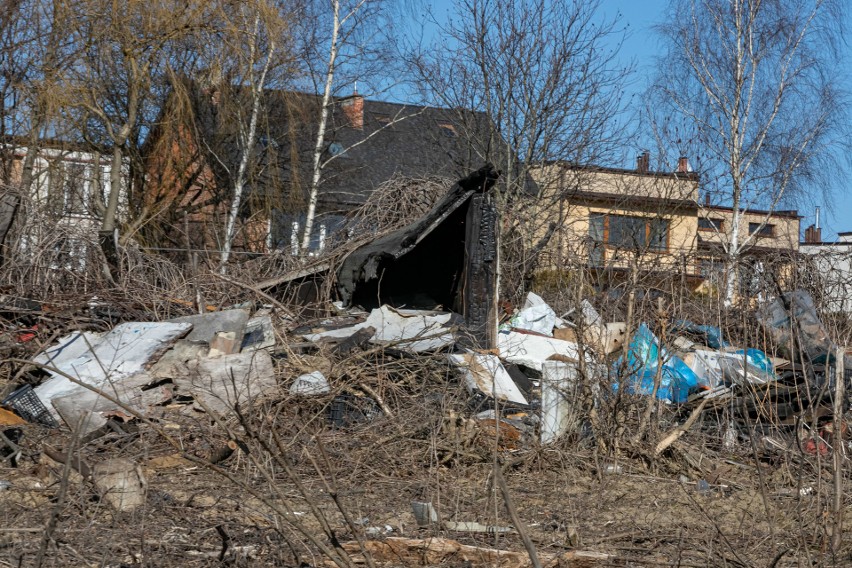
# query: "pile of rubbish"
529, 386
528, 391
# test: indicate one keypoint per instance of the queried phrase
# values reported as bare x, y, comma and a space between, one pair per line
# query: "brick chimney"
682, 165
642, 162
813, 234
353, 108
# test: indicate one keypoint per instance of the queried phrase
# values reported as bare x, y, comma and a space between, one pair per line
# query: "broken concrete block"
121, 483
485, 374
174, 362
205, 326
221, 384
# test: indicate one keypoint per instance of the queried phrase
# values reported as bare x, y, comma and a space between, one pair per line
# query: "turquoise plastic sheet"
677, 380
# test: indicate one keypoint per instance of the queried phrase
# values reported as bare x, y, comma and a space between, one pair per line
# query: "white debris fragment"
409, 330
310, 384
485, 373
533, 350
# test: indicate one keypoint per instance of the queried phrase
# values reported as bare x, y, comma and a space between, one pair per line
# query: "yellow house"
612, 219
767, 237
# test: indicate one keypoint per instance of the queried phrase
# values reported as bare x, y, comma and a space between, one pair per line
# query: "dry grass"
298, 484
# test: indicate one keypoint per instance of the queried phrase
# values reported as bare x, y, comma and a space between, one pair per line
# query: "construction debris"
95, 360
310, 384
416, 368
409, 330
560, 384
485, 374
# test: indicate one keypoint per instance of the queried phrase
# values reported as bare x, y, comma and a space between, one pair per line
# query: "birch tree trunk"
248, 141
316, 173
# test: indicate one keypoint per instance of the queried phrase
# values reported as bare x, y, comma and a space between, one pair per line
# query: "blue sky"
642, 47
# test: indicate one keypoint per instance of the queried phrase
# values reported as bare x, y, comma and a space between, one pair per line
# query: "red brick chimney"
813, 234
682, 165
642, 162
353, 108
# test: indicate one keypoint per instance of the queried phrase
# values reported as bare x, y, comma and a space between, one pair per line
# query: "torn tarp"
712, 336
536, 316
792, 319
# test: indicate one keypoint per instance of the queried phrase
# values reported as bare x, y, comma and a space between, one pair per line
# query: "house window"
69, 187
286, 232
623, 231
69, 254
626, 232
761, 229
597, 236
709, 224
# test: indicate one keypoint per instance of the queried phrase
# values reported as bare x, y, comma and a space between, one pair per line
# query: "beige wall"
785, 229
573, 239
568, 199
554, 179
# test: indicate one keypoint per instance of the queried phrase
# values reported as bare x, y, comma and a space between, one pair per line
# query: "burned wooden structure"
446, 260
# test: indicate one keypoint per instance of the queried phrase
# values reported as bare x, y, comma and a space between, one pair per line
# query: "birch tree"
355, 49
254, 33
752, 82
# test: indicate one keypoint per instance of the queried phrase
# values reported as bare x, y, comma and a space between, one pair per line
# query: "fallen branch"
516, 519
672, 436
76, 463
287, 312
436, 551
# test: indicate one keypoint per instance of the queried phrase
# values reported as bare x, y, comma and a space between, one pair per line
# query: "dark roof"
395, 139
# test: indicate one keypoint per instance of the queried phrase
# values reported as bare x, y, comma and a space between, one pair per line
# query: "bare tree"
751, 82
544, 78
116, 81
354, 49
32, 50
256, 31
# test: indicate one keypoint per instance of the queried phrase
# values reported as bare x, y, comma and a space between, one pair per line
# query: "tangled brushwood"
179, 416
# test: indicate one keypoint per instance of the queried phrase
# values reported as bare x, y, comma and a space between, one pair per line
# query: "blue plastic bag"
677, 380
712, 335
